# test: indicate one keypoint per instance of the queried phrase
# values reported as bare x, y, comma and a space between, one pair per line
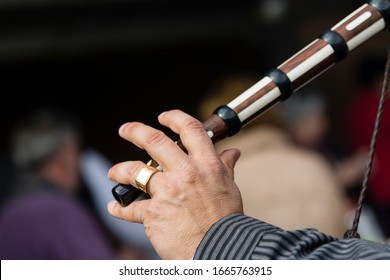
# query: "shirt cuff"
234, 237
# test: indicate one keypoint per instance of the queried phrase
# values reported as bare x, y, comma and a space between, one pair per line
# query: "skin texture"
195, 190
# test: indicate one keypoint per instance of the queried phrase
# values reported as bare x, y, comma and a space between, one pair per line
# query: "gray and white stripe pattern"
242, 238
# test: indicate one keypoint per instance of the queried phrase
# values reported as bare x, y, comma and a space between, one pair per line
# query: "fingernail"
162, 114
122, 127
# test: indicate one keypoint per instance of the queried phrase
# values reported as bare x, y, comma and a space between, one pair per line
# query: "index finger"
155, 142
192, 133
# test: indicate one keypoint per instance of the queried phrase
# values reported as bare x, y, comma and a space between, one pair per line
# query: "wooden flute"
278, 84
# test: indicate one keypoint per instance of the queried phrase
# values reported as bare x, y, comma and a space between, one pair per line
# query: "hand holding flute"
197, 179
196, 212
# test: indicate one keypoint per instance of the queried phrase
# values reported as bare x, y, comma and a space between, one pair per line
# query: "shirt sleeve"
241, 237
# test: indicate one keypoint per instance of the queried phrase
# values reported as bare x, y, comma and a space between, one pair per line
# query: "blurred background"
111, 61
107, 62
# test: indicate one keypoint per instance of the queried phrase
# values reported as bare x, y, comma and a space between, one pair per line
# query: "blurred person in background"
46, 214
280, 182
308, 123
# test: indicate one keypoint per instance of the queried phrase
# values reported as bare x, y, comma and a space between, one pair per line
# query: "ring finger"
135, 173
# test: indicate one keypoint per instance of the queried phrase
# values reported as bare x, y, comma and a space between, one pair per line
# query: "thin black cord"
353, 232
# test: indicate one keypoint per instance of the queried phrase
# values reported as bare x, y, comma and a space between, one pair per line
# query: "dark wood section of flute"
217, 126
350, 34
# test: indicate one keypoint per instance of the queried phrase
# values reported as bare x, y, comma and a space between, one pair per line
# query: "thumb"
131, 213
229, 158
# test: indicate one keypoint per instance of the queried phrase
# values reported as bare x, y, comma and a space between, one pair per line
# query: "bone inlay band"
307, 60
255, 98
366, 34
360, 25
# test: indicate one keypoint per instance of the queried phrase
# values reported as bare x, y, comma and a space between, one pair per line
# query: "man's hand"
195, 189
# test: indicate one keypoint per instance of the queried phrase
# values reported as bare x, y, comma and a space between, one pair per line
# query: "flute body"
278, 84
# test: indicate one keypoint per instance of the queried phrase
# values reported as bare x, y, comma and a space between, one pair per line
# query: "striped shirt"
239, 237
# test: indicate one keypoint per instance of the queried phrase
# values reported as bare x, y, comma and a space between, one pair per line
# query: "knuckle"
154, 210
155, 138
189, 173
134, 167
193, 124
190, 176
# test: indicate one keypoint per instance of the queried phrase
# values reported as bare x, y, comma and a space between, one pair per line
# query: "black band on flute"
383, 6
282, 81
230, 118
337, 42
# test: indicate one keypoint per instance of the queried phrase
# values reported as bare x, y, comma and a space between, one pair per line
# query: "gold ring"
144, 176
